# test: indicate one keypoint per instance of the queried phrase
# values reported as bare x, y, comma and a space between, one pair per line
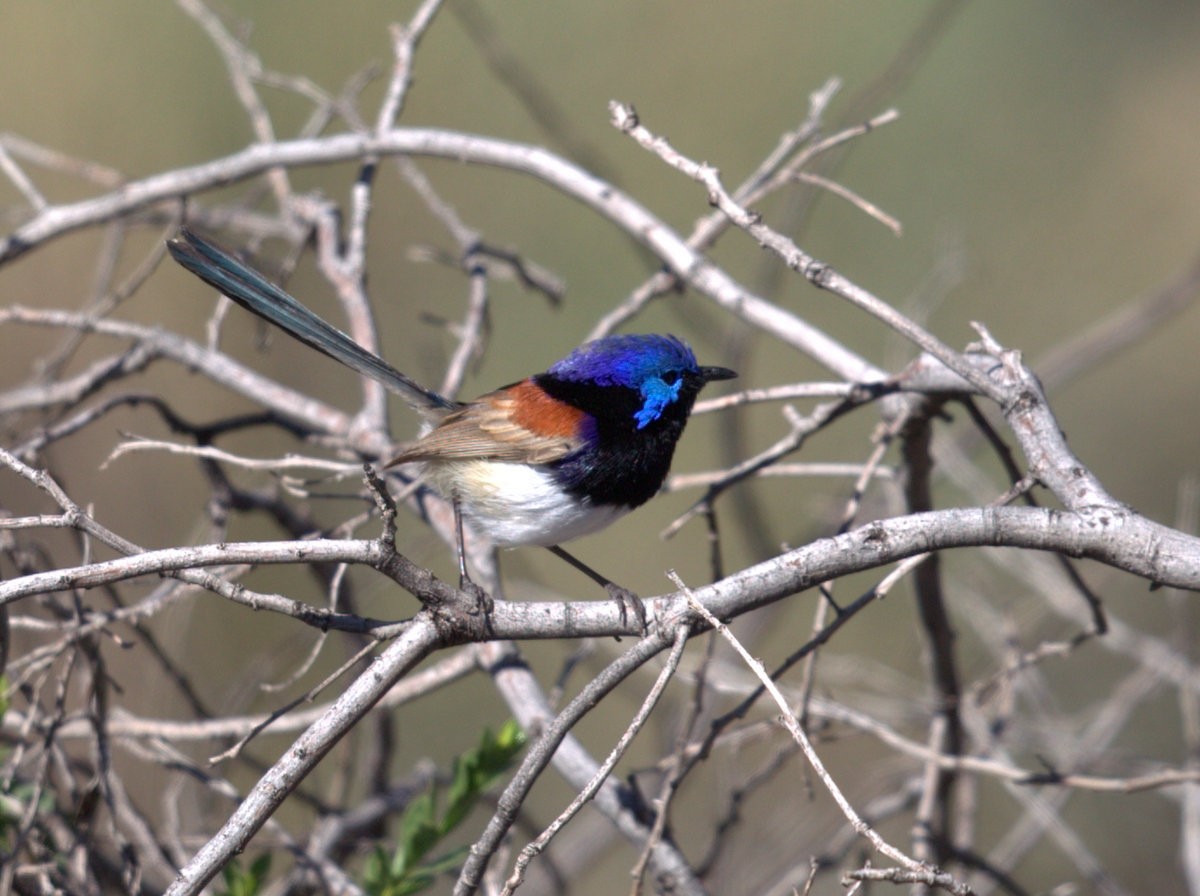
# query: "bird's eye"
671, 377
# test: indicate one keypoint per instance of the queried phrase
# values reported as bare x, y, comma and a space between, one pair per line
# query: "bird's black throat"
620, 465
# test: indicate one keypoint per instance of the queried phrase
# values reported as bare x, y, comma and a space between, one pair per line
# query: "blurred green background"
1045, 167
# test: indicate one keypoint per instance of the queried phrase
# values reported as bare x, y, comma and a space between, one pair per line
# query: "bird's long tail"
254, 292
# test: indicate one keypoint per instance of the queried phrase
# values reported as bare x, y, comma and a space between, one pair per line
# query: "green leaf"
260, 866
405, 871
418, 832
475, 772
245, 883
375, 870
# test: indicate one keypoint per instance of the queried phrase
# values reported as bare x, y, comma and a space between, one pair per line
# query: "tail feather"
257, 294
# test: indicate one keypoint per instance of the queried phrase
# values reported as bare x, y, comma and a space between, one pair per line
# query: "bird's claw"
627, 600
483, 600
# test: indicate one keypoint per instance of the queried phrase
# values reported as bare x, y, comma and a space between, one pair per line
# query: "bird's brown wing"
518, 424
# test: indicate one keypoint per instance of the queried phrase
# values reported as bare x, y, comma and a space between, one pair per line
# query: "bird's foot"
483, 600
626, 601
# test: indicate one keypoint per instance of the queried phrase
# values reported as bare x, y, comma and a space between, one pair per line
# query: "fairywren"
553, 457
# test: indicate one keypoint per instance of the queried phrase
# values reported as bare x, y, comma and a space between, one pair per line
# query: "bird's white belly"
514, 504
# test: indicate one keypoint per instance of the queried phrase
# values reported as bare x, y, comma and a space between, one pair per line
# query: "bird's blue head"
661, 369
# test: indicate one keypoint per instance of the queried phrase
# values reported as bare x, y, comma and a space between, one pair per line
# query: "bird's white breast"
515, 504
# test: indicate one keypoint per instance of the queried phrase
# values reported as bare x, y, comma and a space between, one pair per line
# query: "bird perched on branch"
548, 459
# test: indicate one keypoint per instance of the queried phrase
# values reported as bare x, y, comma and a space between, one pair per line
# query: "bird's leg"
625, 598
483, 601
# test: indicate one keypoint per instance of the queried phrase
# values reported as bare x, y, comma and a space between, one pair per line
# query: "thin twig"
532, 850
794, 728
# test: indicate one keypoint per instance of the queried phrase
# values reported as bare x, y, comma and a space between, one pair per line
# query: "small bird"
548, 459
